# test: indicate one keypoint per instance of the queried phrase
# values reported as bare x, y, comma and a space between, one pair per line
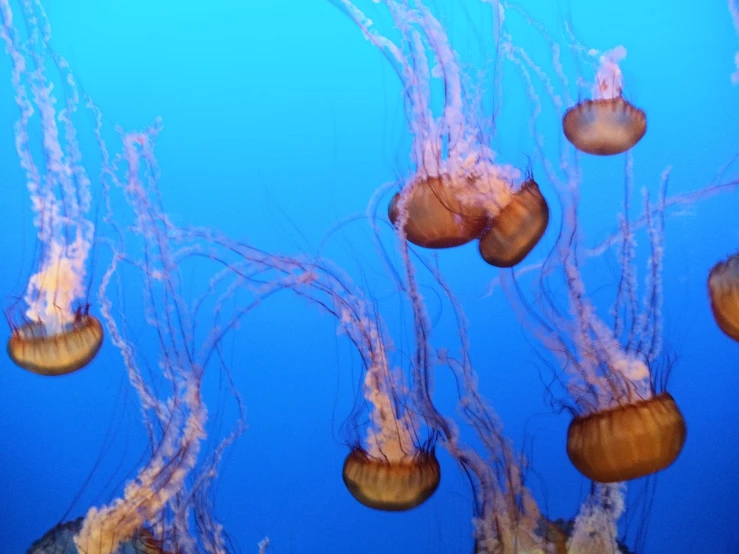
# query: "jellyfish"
434, 217
457, 191
391, 483
391, 464
60, 540
630, 426
627, 442
607, 124
391, 470
392, 467
723, 289
514, 232
626, 425
32, 348
58, 335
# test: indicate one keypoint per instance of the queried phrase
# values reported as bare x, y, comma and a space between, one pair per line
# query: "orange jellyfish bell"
627, 442
605, 126
436, 218
519, 226
391, 486
723, 288
32, 348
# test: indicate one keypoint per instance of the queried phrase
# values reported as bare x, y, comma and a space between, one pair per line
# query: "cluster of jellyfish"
625, 425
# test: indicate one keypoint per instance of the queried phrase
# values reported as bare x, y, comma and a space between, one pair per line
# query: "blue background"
280, 121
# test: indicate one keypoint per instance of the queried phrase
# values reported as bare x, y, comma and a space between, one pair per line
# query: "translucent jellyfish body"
519, 226
432, 215
391, 485
32, 347
626, 425
54, 338
627, 442
605, 126
723, 289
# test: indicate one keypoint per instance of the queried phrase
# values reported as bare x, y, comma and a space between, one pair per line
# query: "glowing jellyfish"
625, 427
627, 442
32, 348
391, 468
456, 186
391, 471
392, 464
514, 232
629, 429
435, 218
391, 485
57, 335
607, 124
723, 289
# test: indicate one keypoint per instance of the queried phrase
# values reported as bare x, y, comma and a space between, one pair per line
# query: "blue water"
280, 121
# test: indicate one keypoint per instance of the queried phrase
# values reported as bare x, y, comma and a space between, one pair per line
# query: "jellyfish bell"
627, 442
723, 289
391, 485
433, 215
517, 228
604, 127
607, 124
35, 348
